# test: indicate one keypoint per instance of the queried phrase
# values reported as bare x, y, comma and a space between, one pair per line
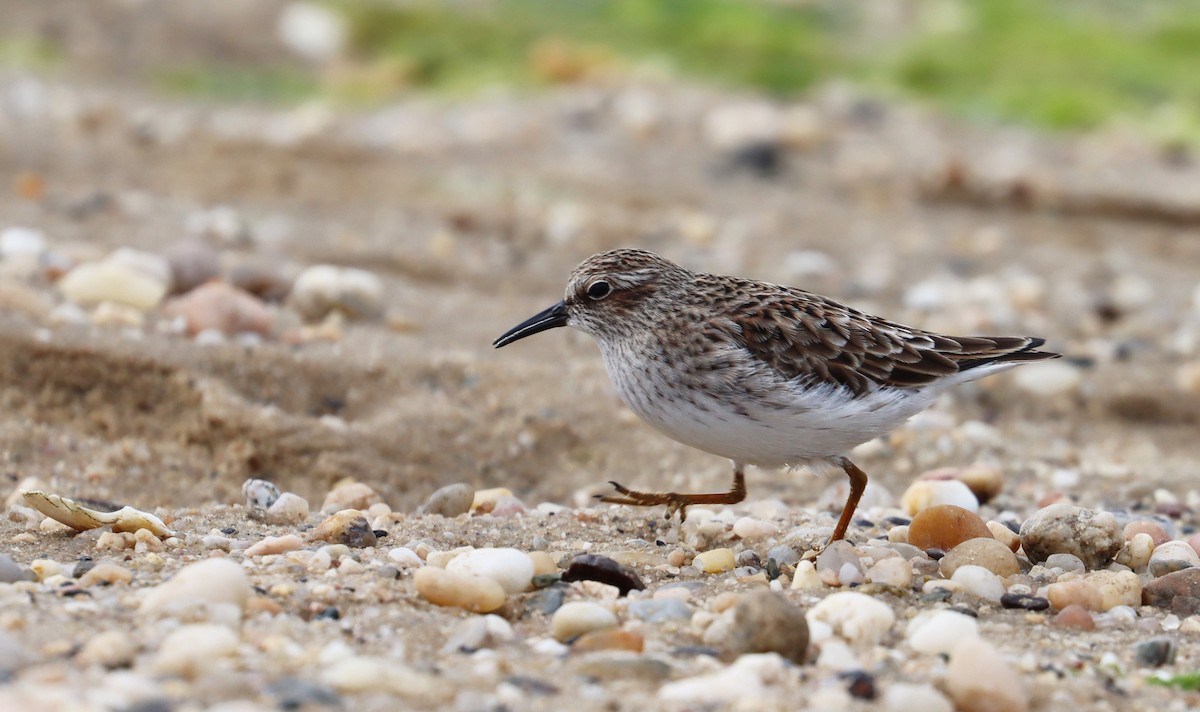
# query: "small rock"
923, 494
275, 545
984, 481
91, 283
660, 610
1155, 652
609, 639
477, 633
511, 568
192, 263
1024, 601
979, 679
18, 243
945, 526
364, 674
211, 582
1064, 528
1074, 616
892, 571
980, 582
11, 571
835, 559
1075, 593
940, 632
766, 622
218, 307
982, 551
622, 667
259, 493
575, 618
593, 567
192, 650
1172, 556
262, 280
450, 501
783, 555
1178, 592
458, 590
350, 495
855, 616
1136, 552
715, 561
405, 557
1004, 535
750, 528
1065, 563
348, 527
290, 508
110, 649
908, 697
322, 289
1117, 588
806, 577
106, 574
1157, 534
748, 679
1049, 378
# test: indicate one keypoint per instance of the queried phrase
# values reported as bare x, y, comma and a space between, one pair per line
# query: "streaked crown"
609, 289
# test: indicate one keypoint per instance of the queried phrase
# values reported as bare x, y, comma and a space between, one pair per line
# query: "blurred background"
1004, 166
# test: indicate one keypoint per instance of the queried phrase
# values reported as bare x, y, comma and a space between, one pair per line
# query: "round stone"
660, 610
275, 545
1075, 593
212, 581
576, 618
1172, 556
766, 622
348, 527
944, 527
979, 679
609, 639
715, 561
91, 283
1064, 563
750, 528
11, 571
192, 650
980, 582
218, 307
907, 697
855, 616
1065, 528
192, 263
322, 289
940, 632
1156, 532
1074, 616
1004, 535
923, 494
290, 508
892, 571
107, 574
458, 590
511, 568
1117, 588
1178, 592
981, 551
449, 501
350, 495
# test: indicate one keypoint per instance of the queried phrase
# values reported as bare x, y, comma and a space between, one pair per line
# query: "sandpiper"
759, 373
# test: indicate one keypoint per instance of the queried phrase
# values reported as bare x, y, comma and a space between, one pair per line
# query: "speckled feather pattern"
761, 373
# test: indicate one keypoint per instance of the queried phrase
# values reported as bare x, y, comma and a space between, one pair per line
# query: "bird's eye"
599, 289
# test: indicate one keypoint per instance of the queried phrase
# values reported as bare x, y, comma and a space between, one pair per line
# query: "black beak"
551, 318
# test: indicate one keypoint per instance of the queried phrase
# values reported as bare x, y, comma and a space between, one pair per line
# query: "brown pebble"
593, 567
1004, 535
1178, 592
261, 281
262, 604
945, 526
107, 574
217, 306
981, 551
348, 527
611, 639
1157, 533
349, 494
1076, 617
1083, 594
1194, 542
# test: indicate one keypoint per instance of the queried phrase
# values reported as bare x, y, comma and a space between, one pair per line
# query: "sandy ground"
472, 213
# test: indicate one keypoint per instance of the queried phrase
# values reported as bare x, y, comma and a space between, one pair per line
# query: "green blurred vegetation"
1185, 681
1054, 64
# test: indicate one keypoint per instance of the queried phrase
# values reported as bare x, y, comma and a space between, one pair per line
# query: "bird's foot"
675, 502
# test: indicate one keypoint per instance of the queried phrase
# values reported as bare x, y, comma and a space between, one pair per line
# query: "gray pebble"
11, 571
1064, 528
660, 610
1155, 652
1066, 562
450, 501
783, 554
765, 622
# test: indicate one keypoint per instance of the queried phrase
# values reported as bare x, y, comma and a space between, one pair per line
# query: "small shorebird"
759, 373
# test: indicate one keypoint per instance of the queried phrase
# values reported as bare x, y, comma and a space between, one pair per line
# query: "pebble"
275, 545
979, 679
107, 574
1136, 552
745, 683
908, 697
350, 495
259, 494
1155, 652
478, 632
1157, 534
1004, 535
109, 649
1172, 556
1074, 616
290, 508
783, 555
575, 618
892, 571
92, 283
985, 481
766, 622
750, 528
192, 263
855, 616
405, 557
622, 667
1075, 593
923, 494
217, 307
1049, 378
211, 582
449, 501
511, 568
715, 561
362, 674
609, 639
594, 567
21, 243
806, 578
940, 632
458, 590
981, 551
944, 527
979, 581
348, 527
1065, 528
1024, 601
660, 610
1117, 588
322, 289
1178, 592
11, 571
192, 650
262, 280
1064, 563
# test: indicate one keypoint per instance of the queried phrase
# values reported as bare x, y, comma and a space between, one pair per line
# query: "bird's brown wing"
803, 335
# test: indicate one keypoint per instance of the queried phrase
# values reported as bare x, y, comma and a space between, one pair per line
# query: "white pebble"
212, 581
855, 616
939, 632
311, 30
979, 581
924, 494
289, 508
578, 617
751, 528
906, 697
322, 289
511, 568
405, 557
192, 650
